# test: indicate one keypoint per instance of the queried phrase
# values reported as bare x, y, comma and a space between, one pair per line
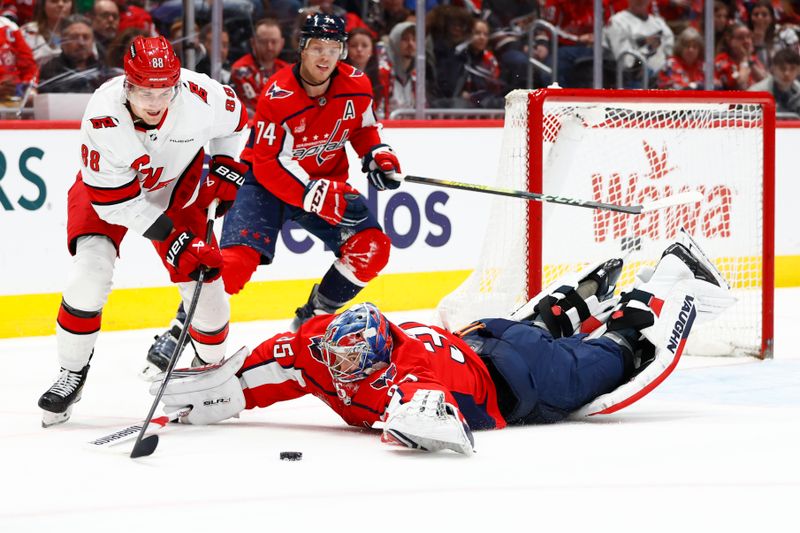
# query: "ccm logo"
320, 190
177, 246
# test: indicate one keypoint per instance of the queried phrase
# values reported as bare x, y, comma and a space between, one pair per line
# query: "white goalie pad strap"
570, 279
428, 423
668, 334
214, 392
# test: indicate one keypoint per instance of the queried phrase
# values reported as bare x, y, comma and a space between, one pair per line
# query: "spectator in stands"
181, 42
508, 21
575, 20
482, 85
402, 51
723, 17
387, 14
42, 33
763, 27
18, 11
361, 54
105, 23
119, 47
678, 14
782, 82
132, 14
351, 20
448, 30
76, 69
204, 64
18, 69
250, 72
736, 67
684, 69
636, 30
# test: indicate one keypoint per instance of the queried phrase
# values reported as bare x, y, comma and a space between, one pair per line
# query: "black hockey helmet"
322, 26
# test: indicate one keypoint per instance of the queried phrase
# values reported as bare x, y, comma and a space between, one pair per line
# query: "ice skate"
161, 350
316, 305
57, 402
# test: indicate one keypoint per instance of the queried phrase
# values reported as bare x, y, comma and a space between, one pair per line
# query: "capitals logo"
276, 93
383, 380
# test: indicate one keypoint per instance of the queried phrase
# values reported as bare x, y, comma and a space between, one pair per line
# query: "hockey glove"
186, 255
427, 423
329, 199
381, 164
224, 178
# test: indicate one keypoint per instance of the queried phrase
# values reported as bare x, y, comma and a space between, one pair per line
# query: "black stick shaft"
589, 204
138, 448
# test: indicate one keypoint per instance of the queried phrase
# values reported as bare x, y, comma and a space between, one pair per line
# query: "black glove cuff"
160, 229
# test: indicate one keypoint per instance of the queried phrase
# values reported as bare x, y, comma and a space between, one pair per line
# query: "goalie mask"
357, 343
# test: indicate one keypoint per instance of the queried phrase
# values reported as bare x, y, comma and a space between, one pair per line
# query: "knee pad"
239, 263
89, 282
365, 254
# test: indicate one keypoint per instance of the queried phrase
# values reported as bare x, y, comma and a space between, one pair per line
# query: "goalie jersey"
134, 173
289, 365
297, 138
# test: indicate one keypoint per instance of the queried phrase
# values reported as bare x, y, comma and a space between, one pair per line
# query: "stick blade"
145, 447
688, 197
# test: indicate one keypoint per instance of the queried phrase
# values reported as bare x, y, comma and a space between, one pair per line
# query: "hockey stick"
129, 433
146, 446
669, 201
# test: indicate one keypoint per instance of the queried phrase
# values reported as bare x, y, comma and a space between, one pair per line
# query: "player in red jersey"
306, 115
574, 349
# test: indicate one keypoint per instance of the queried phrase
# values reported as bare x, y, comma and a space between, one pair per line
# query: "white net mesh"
627, 152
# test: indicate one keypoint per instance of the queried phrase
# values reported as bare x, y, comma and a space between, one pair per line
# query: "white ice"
715, 448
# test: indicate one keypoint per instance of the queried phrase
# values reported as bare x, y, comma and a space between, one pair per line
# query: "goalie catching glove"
225, 176
381, 165
213, 392
335, 202
427, 423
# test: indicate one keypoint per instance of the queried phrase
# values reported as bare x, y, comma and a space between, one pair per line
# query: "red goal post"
626, 147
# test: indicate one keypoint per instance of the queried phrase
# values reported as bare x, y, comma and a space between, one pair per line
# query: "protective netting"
622, 152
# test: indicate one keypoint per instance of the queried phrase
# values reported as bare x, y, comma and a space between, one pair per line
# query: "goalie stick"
146, 446
129, 433
645, 207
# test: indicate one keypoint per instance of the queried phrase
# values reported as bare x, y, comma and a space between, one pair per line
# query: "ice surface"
715, 448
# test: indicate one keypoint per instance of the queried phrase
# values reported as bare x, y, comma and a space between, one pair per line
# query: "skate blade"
53, 419
150, 373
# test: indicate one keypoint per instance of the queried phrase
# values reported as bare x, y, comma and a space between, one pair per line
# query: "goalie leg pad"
213, 392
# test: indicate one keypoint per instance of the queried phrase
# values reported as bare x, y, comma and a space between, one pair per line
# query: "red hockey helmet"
151, 62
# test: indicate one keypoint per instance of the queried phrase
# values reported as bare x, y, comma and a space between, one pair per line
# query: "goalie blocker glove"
225, 177
381, 165
186, 255
427, 423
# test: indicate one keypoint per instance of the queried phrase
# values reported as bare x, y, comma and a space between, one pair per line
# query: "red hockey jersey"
298, 138
289, 365
16, 58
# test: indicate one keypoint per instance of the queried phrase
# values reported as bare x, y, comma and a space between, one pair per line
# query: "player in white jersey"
142, 149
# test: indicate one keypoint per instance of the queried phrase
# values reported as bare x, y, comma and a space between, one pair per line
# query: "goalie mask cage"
626, 147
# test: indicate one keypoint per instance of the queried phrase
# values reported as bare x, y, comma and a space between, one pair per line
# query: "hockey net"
626, 147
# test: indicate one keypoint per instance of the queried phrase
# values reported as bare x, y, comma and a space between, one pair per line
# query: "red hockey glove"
329, 200
380, 164
186, 255
224, 178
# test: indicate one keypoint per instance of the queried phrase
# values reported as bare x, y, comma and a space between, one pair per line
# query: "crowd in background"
476, 50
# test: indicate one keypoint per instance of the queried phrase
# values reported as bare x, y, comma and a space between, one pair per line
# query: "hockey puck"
291, 456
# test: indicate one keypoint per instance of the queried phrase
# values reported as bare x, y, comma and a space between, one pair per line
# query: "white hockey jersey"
132, 173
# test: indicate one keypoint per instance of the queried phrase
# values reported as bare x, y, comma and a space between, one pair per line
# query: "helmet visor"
149, 97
